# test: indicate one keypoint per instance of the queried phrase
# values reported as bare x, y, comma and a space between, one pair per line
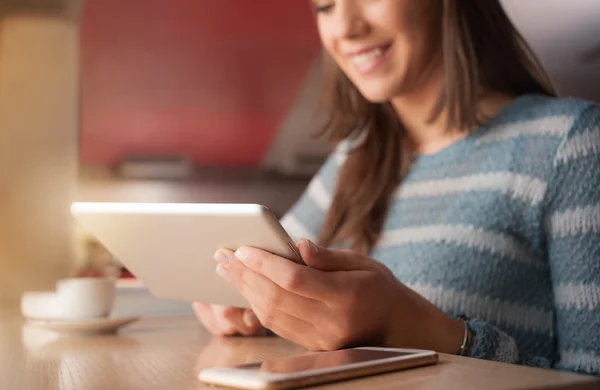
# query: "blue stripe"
587, 118
568, 189
579, 326
538, 106
533, 344
503, 279
493, 212
573, 259
515, 155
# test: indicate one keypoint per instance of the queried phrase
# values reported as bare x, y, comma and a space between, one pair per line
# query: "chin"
379, 91
377, 96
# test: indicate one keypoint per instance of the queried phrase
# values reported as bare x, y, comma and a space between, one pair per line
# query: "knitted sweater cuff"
492, 344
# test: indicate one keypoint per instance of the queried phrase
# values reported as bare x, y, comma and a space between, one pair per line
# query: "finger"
270, 315
295, 278
256, 287
330, 260
255, 328
286, 326
206, 316
229, 320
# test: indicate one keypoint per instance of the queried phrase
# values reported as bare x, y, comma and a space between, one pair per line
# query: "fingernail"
250, 319
313, 248
223, 272
221, 258
241, 255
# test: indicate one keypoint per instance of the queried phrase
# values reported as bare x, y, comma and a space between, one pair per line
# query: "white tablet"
170, 246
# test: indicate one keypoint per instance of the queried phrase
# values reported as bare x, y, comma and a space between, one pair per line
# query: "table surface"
168, 353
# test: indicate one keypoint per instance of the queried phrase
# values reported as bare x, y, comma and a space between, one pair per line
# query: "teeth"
366, 57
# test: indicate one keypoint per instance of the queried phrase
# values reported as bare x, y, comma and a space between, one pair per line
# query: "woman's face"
387, 48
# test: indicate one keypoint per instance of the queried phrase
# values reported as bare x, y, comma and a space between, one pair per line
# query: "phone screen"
320, 360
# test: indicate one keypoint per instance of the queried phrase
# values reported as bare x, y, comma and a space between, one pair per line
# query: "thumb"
325, 259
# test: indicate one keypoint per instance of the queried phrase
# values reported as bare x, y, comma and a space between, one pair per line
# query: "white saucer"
83, 327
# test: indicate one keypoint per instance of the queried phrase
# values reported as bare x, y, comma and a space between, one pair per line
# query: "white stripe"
340, 158
580, 360
295, 228
319, 194
580, 220
356, 139
468, 236
341, 152
551, 125
579, 145
353, 141
577, 295
520, 186
499, 312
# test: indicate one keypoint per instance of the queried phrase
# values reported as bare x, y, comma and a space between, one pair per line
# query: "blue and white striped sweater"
503, 226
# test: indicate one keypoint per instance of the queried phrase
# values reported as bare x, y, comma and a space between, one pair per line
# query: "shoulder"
546, 140
542, 128
569, 115
576, 164
539, 106
582, 140
575, 123
540, 116
571, 158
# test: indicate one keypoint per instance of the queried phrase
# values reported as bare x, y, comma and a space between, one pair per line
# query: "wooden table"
168, 353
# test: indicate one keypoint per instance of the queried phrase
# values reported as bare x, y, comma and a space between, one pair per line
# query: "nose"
348, 19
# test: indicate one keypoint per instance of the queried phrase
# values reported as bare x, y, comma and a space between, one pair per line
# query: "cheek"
324, 34
403, 59
328, 43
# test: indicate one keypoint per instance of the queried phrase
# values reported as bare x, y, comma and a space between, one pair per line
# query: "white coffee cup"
85, 298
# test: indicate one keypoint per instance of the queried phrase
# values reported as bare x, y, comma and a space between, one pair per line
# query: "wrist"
450, 336
424, 326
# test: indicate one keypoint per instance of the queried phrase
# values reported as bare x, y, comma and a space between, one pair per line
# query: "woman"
465, 191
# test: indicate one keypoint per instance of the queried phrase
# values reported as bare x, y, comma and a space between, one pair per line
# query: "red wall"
208, 79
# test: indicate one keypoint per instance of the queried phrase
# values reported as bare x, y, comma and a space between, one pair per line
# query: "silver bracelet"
467, 342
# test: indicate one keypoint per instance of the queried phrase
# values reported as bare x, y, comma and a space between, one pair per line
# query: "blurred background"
181, 101
202, 92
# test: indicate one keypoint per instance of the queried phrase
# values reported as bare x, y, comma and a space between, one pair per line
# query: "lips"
366, 60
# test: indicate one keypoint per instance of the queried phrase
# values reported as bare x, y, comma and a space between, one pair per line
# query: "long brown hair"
481, 50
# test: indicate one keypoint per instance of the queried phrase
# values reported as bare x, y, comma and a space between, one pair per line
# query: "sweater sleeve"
572, 231
307, 215
573, 239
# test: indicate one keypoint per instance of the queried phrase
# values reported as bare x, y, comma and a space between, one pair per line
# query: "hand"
228, 321
340, 299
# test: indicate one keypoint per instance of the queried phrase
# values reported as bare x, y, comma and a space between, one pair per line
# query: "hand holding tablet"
170, 246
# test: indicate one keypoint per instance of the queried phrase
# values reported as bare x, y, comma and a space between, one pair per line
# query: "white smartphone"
317, 368
170, 246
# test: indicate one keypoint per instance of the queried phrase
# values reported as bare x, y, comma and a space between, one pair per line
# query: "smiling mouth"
369, 60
